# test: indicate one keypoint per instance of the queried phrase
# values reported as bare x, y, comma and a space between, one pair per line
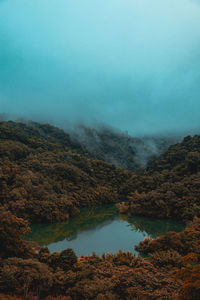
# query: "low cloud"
133, 65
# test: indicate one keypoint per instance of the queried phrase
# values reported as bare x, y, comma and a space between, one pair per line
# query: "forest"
47, 175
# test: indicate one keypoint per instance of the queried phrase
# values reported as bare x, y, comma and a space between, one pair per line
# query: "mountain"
119, 148
46, 176
169, 186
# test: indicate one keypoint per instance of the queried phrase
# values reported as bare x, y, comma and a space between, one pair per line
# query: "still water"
100, 229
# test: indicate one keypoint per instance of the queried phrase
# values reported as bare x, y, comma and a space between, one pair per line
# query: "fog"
131, 64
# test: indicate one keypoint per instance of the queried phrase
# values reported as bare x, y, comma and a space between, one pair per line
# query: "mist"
131, 64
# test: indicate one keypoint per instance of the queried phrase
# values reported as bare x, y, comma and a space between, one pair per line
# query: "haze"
131, 64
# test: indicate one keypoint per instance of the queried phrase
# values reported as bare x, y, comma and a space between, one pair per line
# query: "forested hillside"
169, 187
120, 148
45, 176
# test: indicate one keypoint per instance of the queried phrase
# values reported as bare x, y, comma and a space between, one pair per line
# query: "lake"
100, 229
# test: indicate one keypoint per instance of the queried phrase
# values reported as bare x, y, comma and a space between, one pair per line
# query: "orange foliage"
45, 177
190, 289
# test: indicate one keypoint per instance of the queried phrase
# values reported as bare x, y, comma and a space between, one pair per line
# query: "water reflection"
100, 229
152, 227
90, 219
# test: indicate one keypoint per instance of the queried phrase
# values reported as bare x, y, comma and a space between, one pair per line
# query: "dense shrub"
12, 231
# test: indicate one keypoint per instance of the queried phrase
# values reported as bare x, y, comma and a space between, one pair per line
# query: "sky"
130, 64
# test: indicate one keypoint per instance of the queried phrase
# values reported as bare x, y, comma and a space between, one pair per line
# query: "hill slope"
119, 148
45, 176
169, 187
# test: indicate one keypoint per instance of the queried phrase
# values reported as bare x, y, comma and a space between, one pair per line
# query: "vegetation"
119, 148
169, 186
180, 250
167, 274
45, 176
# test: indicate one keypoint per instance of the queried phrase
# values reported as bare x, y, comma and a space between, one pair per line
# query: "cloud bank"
131, 64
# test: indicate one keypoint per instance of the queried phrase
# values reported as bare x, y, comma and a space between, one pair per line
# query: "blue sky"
131, 64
